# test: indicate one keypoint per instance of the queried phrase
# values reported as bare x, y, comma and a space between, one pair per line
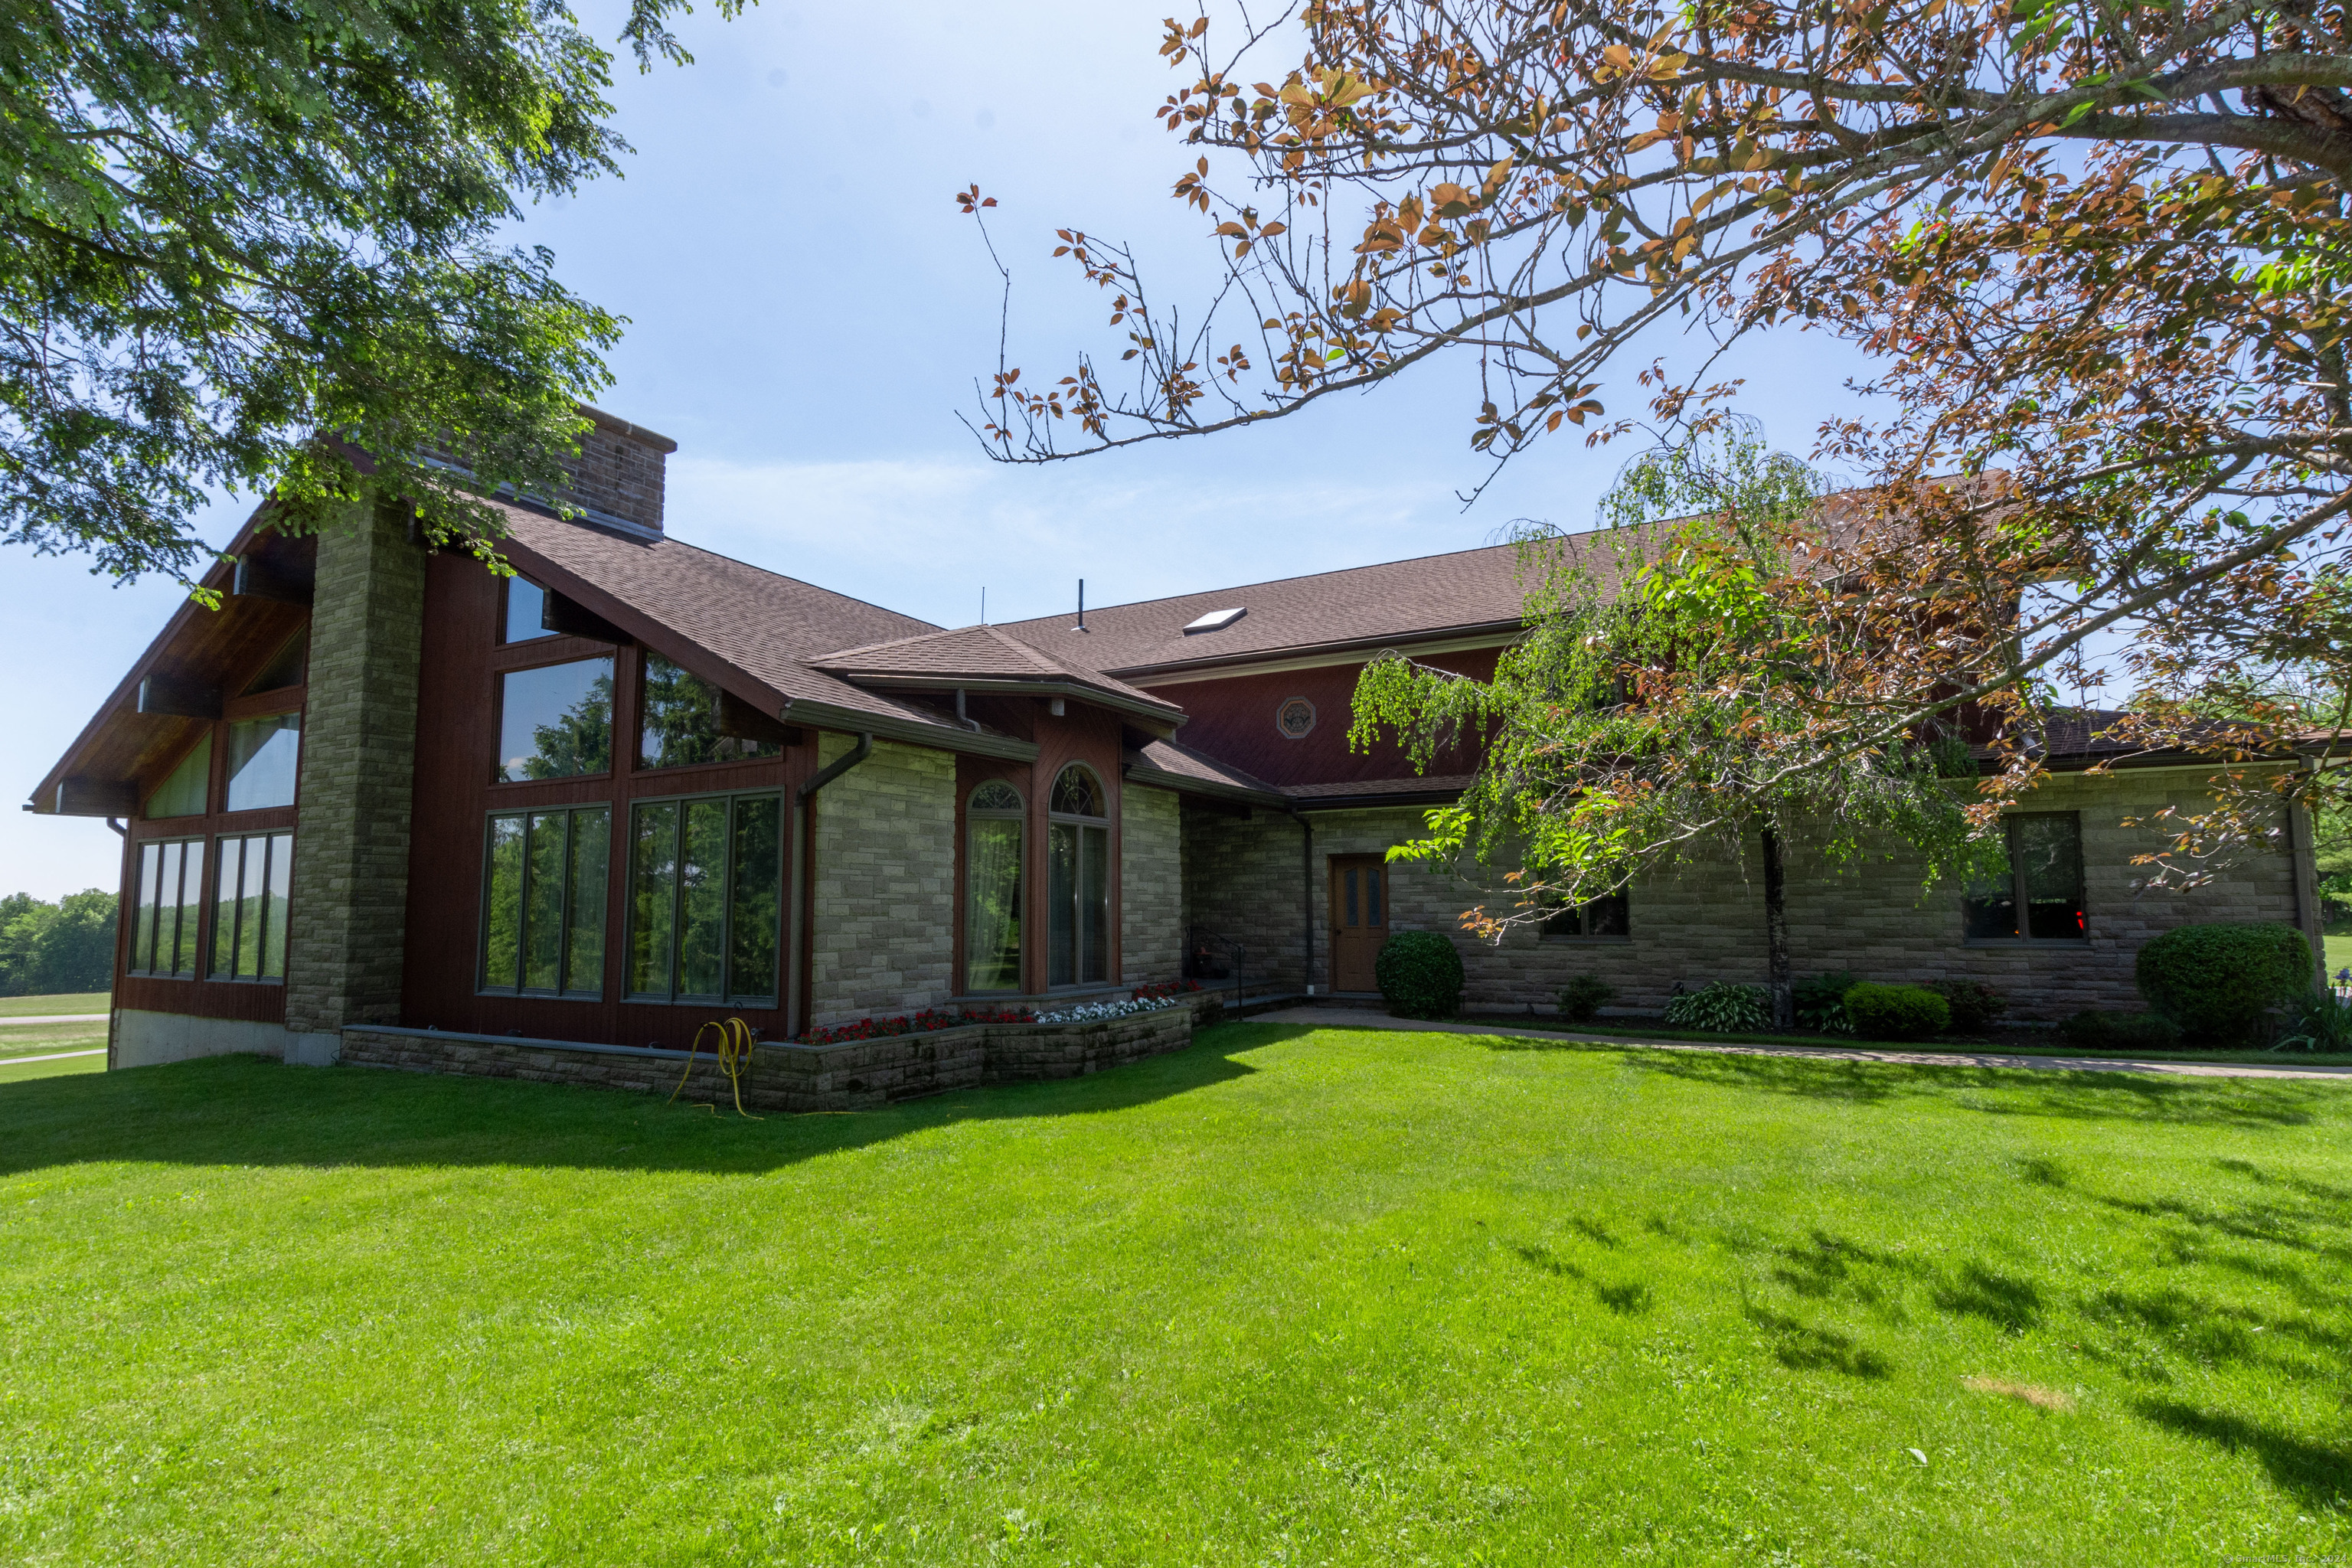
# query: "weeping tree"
2098, 258
1677, 697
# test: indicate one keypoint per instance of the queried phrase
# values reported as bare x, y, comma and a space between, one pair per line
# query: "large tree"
250, 243
2097, 254
1671, 702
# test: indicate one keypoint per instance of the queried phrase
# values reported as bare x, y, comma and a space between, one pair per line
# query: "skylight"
1216, 620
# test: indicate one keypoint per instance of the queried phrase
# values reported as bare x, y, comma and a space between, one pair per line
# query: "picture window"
556, 721
1603, 917
250, 905
705, 900
543, 902
169, 903
2041, 874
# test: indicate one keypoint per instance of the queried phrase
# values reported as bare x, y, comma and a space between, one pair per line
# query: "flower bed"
1095, 1012
1166, 990
921, 1023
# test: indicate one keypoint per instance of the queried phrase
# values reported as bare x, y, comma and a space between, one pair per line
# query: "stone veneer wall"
1150, 885
856, 1075
884, 877
1242, 880
1706, 922
350, 893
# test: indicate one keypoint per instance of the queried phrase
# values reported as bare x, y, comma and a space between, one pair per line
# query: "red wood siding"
1232, 720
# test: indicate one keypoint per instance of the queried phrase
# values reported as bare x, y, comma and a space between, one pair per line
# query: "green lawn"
51, 1006
1285, 1297
47, 1039
2339, 950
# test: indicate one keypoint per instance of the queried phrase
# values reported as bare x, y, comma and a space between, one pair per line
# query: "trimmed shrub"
1820, 1003
1420, 975
1721, 1009
1974, 1003
2216, 981
1896, 1012
2120, 1032
1583, 997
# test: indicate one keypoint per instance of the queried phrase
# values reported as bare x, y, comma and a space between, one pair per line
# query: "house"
639, 785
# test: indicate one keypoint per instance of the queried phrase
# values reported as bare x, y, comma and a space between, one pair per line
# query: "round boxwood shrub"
1420, 975
1582, 999
2218, 981
1896, 1012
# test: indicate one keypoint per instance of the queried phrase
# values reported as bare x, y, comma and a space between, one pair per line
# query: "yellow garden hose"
734, 1056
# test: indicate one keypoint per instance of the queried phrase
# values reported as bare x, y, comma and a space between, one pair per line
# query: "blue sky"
808, 312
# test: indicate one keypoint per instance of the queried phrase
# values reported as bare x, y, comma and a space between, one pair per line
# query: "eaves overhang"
1186, 783
1477, 633
1166, 715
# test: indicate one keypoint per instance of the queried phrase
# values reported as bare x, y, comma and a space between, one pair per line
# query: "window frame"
1078, 953
2012, 826
268, 835
498, 676
160, 842
518, 991
767, 1002
1018, 815
506, 614
1582, 913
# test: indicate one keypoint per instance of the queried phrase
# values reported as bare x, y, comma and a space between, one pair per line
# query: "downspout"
801, 797
1307, 892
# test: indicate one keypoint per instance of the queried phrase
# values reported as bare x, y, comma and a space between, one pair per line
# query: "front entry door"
1360, 919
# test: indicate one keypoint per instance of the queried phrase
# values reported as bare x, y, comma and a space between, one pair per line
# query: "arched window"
992, 889
1077, 881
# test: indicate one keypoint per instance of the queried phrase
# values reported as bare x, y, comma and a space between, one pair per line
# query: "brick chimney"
617, 477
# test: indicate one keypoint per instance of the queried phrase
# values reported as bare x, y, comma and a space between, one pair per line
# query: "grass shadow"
2317, 1475
1801, 1347
2250, 1103
247, 1111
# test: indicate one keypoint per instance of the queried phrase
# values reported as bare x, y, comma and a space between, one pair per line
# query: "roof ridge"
1039, 659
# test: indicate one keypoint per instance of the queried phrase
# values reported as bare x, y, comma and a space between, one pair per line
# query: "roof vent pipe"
1082, 603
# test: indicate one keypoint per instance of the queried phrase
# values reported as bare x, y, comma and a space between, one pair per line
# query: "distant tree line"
59, 949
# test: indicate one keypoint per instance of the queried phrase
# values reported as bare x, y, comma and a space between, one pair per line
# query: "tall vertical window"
183, 793
250, 900
1077, 881
992, 889
543, 902
264, 757
682, 721
171, 898
705, 900
556, 721
2037, 893
526, 612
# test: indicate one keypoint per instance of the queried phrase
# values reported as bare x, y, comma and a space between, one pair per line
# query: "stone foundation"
854, 1075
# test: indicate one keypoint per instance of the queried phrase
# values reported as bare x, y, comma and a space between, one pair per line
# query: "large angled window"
264, 758
681, 721
1077, 881
705, 900
183, 793
250, 903
992, 883
170, 901
543, 902
556, 721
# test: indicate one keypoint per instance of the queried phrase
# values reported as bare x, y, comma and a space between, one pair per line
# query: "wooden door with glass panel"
1360, 919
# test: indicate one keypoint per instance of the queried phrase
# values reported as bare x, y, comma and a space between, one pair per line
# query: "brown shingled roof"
982, 656
727, 621
1469, 590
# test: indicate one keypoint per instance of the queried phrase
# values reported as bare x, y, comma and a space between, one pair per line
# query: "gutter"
793, 1000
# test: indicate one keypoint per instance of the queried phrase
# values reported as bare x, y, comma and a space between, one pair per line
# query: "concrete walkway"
57, 1018
52, 1056
1365, 1018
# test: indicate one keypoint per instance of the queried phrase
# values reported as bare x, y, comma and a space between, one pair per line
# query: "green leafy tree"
258, 247
58, 949
1674, 698
579, 741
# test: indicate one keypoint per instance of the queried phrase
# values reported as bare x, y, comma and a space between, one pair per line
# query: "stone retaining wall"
852, 1075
